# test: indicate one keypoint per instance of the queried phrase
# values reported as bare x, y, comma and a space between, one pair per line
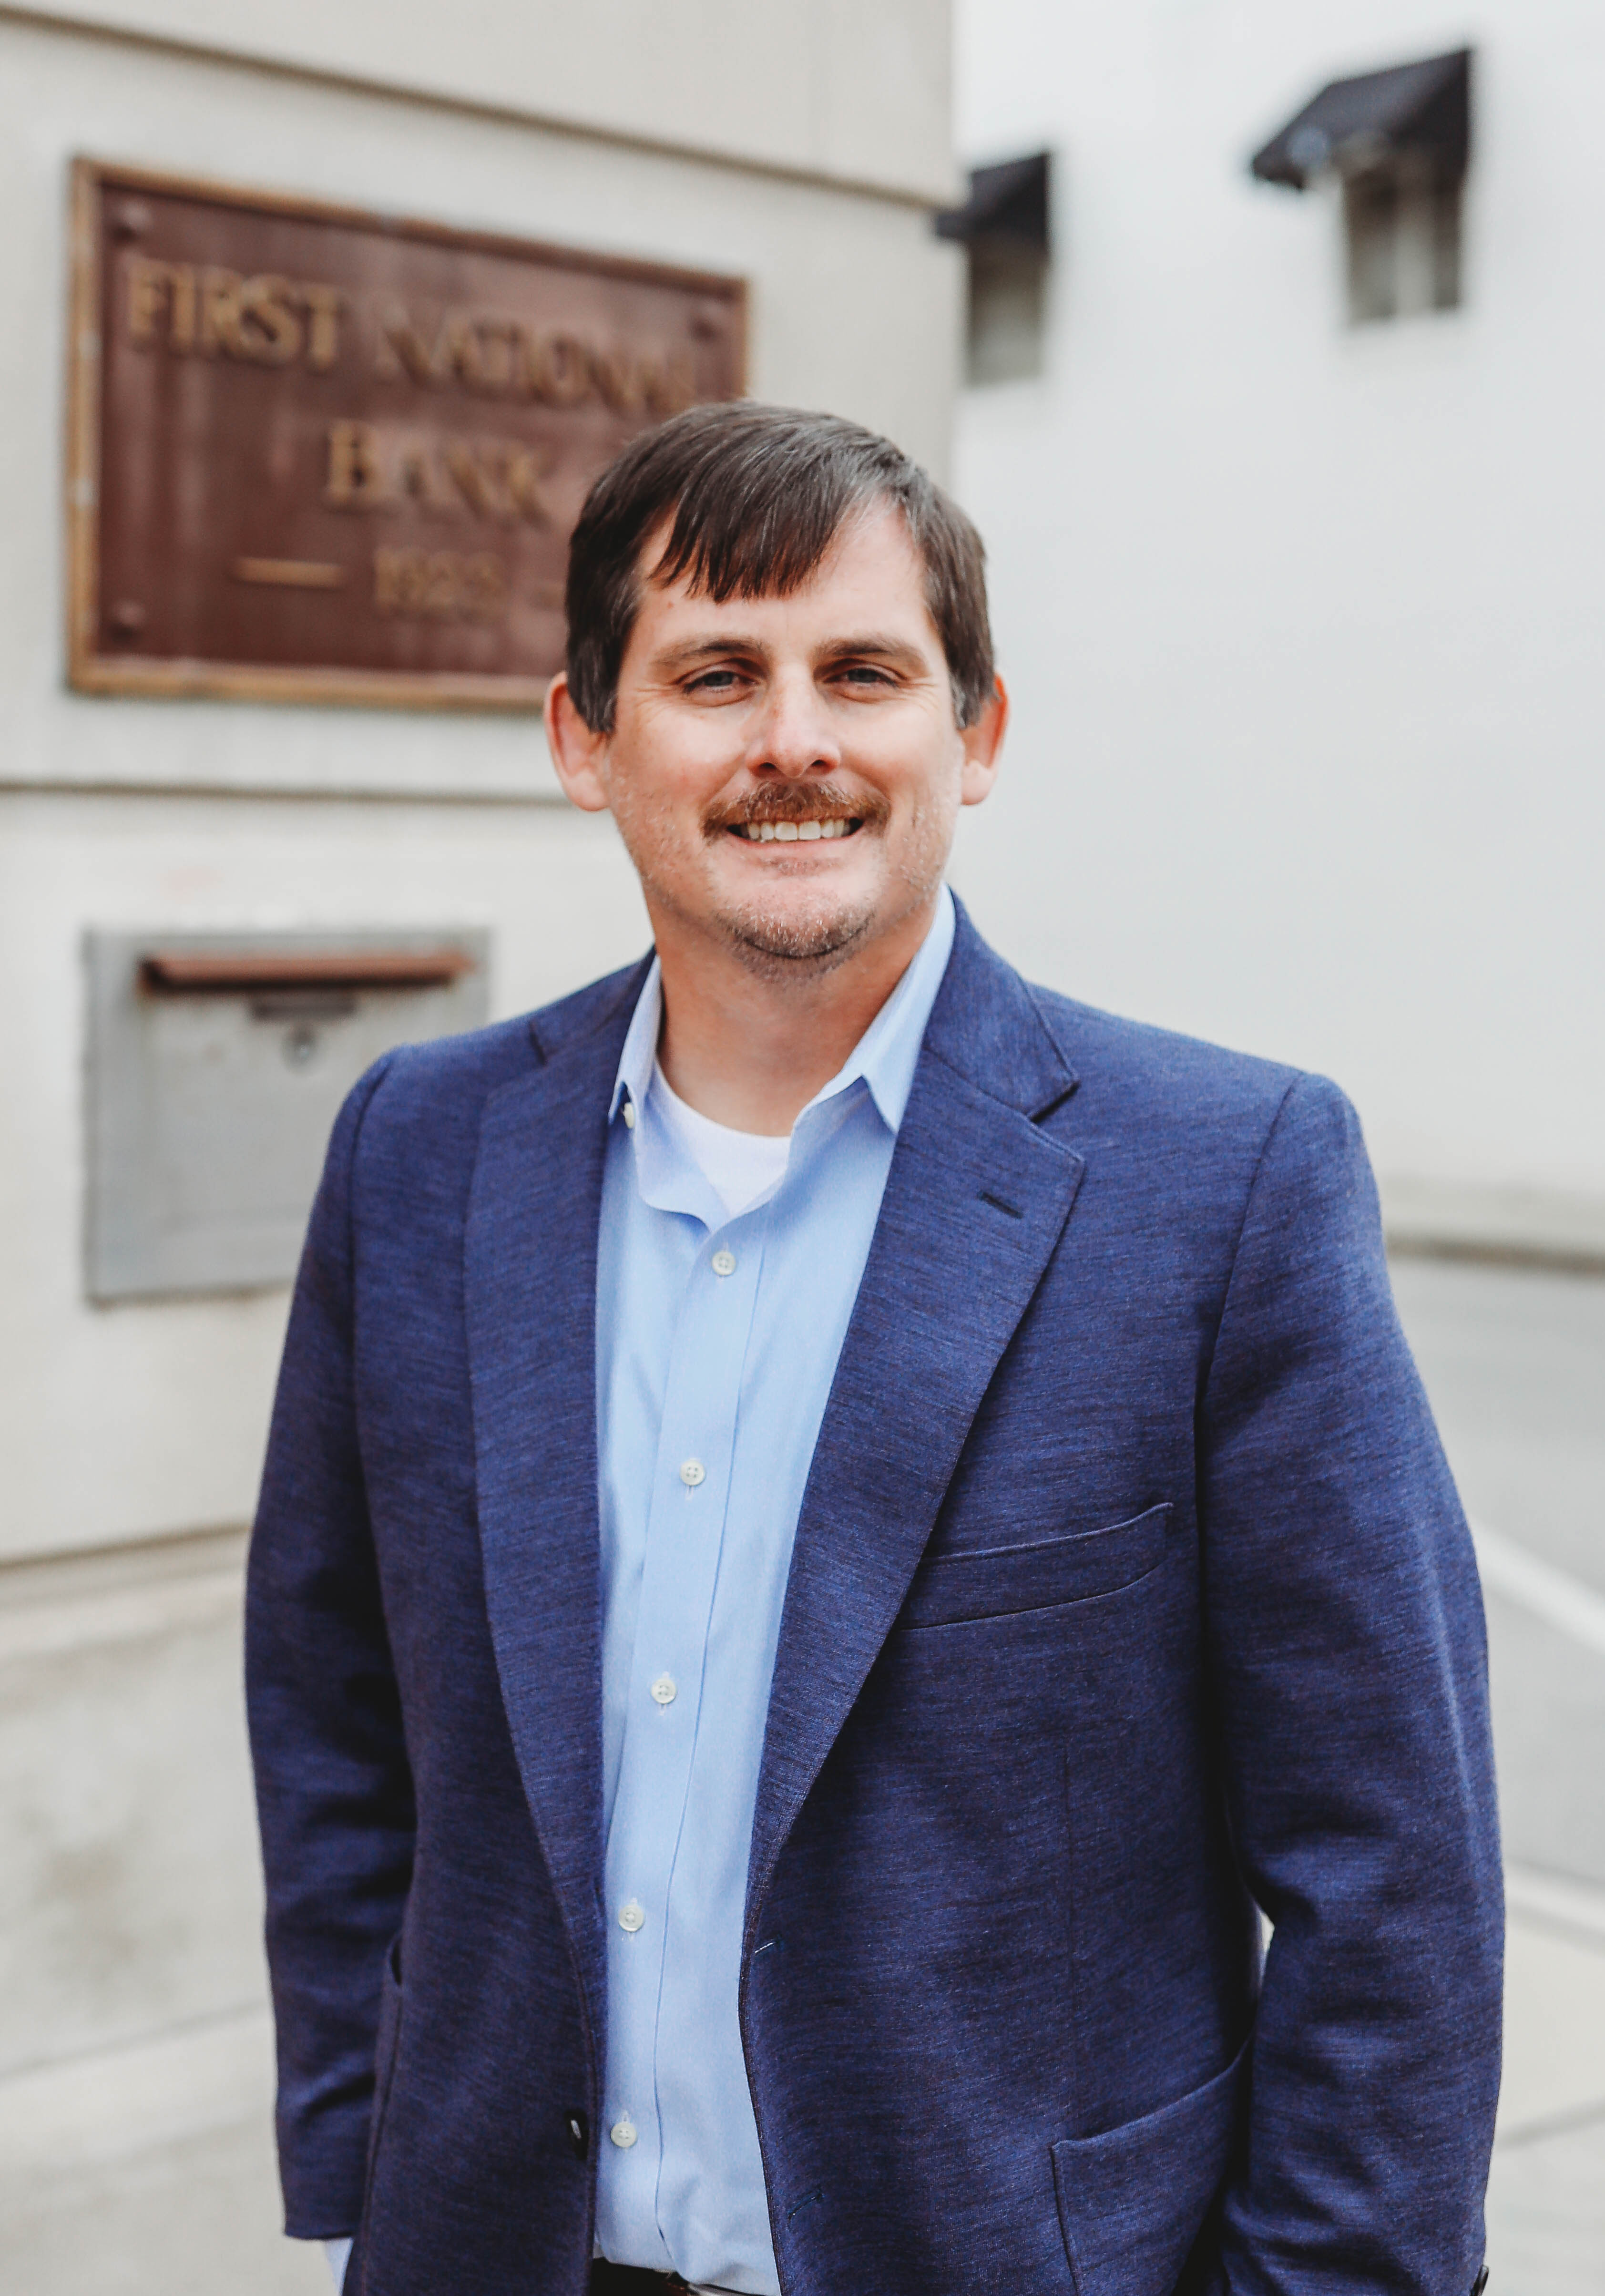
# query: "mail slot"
218, 1064
210, 972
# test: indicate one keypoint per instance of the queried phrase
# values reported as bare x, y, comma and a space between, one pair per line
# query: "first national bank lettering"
335, 455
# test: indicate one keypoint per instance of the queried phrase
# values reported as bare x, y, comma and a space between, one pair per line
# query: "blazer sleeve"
334, 1788
1348, 1658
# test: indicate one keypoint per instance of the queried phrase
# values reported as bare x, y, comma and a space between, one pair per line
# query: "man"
835, 1524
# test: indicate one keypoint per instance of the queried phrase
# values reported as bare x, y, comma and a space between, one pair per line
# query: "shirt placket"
685, 1527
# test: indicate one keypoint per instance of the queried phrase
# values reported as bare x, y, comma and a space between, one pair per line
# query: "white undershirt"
739, 1167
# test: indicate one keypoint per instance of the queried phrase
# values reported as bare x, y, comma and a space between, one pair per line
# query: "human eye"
716, 684
863, 677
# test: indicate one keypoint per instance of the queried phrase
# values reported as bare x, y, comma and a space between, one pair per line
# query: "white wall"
830, 88
1302, 620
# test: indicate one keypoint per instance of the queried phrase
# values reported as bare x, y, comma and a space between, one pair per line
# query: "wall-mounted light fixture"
1399, 142
1005, 229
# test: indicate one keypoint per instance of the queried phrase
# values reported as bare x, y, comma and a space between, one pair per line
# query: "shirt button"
664, 1690
723, 1262
692, 1473
631, 1915
629, 1126
623, 2133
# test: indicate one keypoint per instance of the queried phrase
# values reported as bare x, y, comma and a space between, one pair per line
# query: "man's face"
786, 773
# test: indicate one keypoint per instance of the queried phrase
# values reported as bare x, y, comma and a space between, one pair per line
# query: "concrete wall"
147, 1418
819, 338
787, 145
830, 88
1302, 618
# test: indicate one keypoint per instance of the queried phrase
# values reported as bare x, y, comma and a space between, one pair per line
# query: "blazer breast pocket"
998, 1581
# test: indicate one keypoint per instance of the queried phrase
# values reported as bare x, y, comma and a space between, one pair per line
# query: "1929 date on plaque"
318, 455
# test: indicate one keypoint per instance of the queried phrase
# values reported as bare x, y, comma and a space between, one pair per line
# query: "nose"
794, 737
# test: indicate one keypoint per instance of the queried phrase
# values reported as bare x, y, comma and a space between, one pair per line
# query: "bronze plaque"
324, 455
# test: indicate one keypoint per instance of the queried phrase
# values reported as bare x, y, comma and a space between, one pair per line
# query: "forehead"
871, 577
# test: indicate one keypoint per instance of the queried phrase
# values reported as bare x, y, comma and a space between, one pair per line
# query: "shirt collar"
885, 1056
639, 1052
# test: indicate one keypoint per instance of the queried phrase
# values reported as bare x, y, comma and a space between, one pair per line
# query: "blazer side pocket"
951, 1588
1132, 2201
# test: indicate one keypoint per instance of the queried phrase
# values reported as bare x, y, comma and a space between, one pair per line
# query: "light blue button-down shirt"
717, 1343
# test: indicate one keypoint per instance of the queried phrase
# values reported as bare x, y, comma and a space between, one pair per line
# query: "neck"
750, 1050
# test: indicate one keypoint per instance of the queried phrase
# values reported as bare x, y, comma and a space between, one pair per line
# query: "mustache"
817, 801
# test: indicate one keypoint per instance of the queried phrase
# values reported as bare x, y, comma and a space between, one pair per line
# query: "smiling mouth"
796, 832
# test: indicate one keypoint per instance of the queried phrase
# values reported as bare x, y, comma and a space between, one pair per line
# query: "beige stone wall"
795, 145
853, 306
145, 1419
135, 2049
830, 88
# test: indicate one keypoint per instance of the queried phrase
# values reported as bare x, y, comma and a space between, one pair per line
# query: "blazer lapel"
531, 1296
975, 1202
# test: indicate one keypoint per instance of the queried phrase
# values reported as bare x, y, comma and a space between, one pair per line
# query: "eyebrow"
870, 644
874, 642
695, 649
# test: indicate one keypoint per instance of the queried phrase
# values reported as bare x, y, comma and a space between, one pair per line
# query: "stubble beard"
786, 947
806, 944
800, 945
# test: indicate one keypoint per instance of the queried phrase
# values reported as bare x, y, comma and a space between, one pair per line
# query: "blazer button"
1480, 2282
579, 2134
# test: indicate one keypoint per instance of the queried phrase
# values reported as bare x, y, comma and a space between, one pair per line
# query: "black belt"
628, 2280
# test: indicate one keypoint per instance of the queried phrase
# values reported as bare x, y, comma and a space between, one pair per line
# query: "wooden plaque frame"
626, 392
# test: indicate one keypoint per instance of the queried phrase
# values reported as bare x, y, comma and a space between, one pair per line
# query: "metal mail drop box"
217, 1066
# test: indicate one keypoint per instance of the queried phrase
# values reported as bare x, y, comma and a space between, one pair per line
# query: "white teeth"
789, 833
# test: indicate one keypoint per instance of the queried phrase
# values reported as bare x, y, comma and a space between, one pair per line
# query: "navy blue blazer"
1130, 1591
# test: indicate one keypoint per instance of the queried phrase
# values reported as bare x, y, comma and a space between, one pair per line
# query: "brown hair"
757, 495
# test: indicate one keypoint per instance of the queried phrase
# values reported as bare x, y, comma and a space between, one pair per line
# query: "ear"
579, 754
983, 746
